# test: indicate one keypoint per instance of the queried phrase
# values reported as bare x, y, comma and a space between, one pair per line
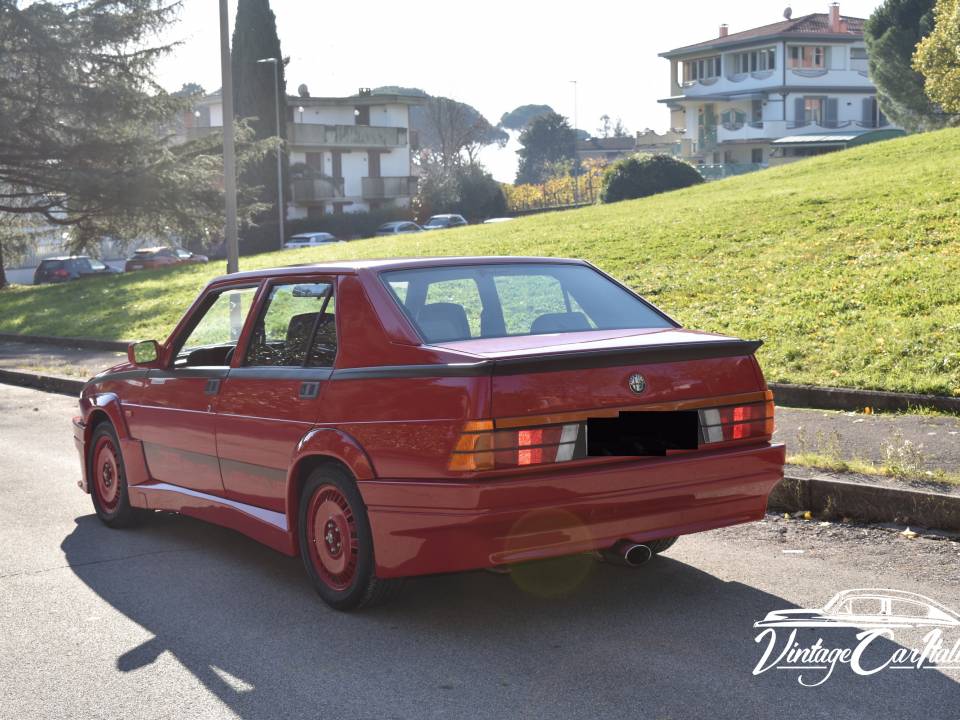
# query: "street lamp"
276, 62
576, 138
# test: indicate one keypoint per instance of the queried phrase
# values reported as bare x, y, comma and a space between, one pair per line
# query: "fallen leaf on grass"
909, 534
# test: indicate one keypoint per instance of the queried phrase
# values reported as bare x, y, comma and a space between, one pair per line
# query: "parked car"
309, 239
390, 418
72, 267
493, 221
148, 258
440, 222
399, 227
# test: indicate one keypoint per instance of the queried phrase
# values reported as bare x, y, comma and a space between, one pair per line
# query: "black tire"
111, 500
360, 587
658, 546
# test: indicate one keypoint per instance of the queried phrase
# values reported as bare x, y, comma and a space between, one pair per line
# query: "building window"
858, 58
701, 69
813, 110
756, 156
807, 56
755, 61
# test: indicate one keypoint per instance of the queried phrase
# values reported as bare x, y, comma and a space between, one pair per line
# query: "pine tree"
83, 143
255, 98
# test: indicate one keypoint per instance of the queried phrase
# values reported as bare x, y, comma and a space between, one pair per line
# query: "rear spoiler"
553, 362
611, 357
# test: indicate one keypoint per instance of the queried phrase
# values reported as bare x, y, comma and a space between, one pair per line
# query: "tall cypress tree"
254, 98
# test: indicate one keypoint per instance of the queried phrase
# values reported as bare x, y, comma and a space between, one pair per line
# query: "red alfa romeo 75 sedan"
391, 418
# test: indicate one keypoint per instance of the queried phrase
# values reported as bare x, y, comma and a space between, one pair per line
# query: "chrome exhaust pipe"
627, 553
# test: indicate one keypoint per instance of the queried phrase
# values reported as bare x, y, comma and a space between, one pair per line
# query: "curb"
830, 398
47, 383
67, 342
836, 499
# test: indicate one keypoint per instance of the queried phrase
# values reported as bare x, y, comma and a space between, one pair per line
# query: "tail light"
737, 422
481, 447
484, 446
61, 274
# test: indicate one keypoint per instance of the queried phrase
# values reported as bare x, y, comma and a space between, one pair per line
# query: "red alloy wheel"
106, 474
332, 537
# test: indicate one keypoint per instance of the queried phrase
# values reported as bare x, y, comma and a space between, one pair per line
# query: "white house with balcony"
347, 154
803, 79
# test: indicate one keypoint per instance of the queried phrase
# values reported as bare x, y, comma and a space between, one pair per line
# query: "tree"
454, 127
619, 130
256, 92
190, 90
545, 141
79, 119
448, 128
937, 57
465, 189
520, 117
481, 196
891, 34
639, 176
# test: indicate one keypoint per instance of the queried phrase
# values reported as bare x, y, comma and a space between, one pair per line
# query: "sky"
494, 55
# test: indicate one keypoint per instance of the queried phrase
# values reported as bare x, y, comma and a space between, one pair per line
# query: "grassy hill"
846, 265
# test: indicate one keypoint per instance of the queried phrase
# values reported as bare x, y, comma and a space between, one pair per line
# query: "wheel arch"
319, 447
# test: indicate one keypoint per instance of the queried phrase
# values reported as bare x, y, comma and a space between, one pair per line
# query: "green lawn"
846, 265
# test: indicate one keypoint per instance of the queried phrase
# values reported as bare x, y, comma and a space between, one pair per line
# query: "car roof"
351, 267
311, 234
66, 257
158, 248
444, 215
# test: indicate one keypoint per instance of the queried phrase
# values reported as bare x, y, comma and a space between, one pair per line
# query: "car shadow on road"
569, 639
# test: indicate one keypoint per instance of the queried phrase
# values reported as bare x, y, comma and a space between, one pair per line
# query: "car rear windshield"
483, 301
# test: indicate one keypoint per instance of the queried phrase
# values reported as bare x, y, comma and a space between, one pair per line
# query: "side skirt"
265, 526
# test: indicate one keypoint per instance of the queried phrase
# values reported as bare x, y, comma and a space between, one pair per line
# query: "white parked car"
493, 221
441, 222
309, 239
398, 227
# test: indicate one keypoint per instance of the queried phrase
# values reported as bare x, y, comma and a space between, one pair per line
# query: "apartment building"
804, 79
346, 154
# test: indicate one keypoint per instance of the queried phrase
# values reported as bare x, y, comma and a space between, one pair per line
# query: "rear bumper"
422, 527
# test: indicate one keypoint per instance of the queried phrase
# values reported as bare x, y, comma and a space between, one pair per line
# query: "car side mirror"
145, 352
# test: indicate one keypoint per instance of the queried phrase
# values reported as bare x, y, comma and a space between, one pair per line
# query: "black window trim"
200, 311
264, 305
519, 261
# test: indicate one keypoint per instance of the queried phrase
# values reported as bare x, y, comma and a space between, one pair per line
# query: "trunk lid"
583, 371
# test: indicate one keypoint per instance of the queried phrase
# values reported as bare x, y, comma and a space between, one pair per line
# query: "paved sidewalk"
926, 442
54, 360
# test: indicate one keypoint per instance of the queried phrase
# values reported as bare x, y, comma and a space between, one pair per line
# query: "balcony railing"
317, 189
388, 187
348, 136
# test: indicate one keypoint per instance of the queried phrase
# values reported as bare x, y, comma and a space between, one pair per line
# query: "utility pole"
576, 188
276, 94
229, 161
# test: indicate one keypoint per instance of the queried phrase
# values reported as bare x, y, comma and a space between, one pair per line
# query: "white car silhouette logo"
867, 608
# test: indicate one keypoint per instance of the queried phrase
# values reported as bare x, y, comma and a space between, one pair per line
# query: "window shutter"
831, 119
798, 114
826, 57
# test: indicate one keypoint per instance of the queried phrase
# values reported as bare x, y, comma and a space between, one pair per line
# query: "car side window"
296, 328
215, 335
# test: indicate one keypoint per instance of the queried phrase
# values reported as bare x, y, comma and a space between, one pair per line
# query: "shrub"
639, 176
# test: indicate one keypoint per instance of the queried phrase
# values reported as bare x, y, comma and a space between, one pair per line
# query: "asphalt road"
181, 619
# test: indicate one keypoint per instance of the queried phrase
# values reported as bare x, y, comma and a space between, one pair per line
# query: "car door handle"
213, 386
309, 390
